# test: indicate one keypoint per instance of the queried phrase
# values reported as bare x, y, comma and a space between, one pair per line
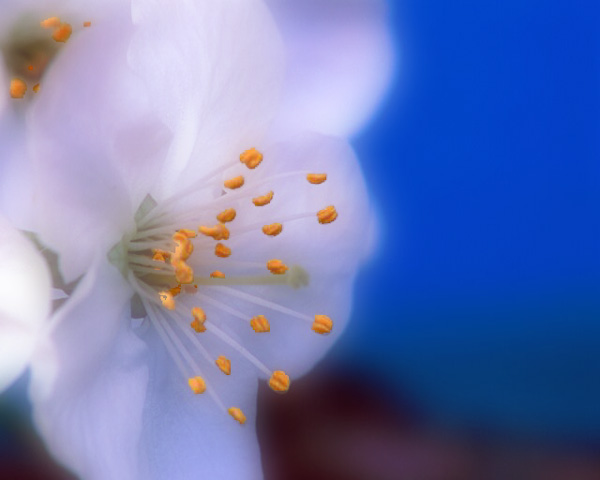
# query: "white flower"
139, 133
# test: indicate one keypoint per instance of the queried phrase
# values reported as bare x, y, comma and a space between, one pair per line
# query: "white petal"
24, 301
89, 382
187, 435
340, 62
220, 62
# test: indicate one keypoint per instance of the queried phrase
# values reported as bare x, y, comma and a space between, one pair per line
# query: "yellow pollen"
17, 88
224, 364
222, 251
322, 324
327, 215
272, 230
183, 250
316, 178
87, 24
279, 382
52, 22
62, 33
218, 232
263, 200
167, 300
217, 274
199, 319
36, 88
251, 158
159, 256
226, 215
184, 273
277, 267
197, 384
235, 182
237, 414
175, 290
260, 324
187, 232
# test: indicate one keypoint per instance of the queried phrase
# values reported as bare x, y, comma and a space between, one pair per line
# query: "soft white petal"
89, 380
340, 58
24, 301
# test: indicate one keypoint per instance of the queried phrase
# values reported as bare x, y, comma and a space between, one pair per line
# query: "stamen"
36, 88
160, 256
327, 215
224, 364
197, 384
175, 290
260, 324
235, 182
316, 178
52, 22
199, 319
217, 274
184, 273
237, 414
188, 233
277, 267
222, 251
251, 158
263, 200
272, 230
17, 88
167, 300
322, 324
226, 215
218, 232
62, 33
279, 381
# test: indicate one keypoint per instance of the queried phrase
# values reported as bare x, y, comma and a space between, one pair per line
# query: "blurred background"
474, 351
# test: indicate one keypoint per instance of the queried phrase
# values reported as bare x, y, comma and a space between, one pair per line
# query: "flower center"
178, 257
30, 48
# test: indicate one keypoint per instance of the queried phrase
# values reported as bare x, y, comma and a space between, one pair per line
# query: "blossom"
203, 246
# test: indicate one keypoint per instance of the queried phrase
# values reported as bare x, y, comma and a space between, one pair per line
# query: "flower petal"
24, 301
340, 62
89, 380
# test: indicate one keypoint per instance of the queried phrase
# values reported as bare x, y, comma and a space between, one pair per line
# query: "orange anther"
260, 324
62, 33
199, 319
167, 300
197, 384
272, 230
327, 215
277, 267
263, 200
218, 232
316, 178
160, 256
226, 215
322, 324
237, 414
217, 274
222, 251
175, 290
17, 88
251, 158
235, 182
187, 232
87, 24
36, 88
183, 250
224, 364
279, 382
184, 273
52, 22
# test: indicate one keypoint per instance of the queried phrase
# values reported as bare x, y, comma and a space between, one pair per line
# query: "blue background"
483, 300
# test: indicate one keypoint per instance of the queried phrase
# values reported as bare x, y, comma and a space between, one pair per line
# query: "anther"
183, 250
17, 88
222, 251
316, 178
226, 215
327, 215
279, 382
52, 22
184, 273
237, 414
87, 24
251, 158
187, 232
277, 267
199, 319
224, 364
235, 182
272, 230
160, 255
322, 324
36, 88
260, 324
263, 200
62, 33
167, 300
197, 384
218, 232
175, 290
217, 274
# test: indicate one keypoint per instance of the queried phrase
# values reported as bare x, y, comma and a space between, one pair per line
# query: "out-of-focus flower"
201, 242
